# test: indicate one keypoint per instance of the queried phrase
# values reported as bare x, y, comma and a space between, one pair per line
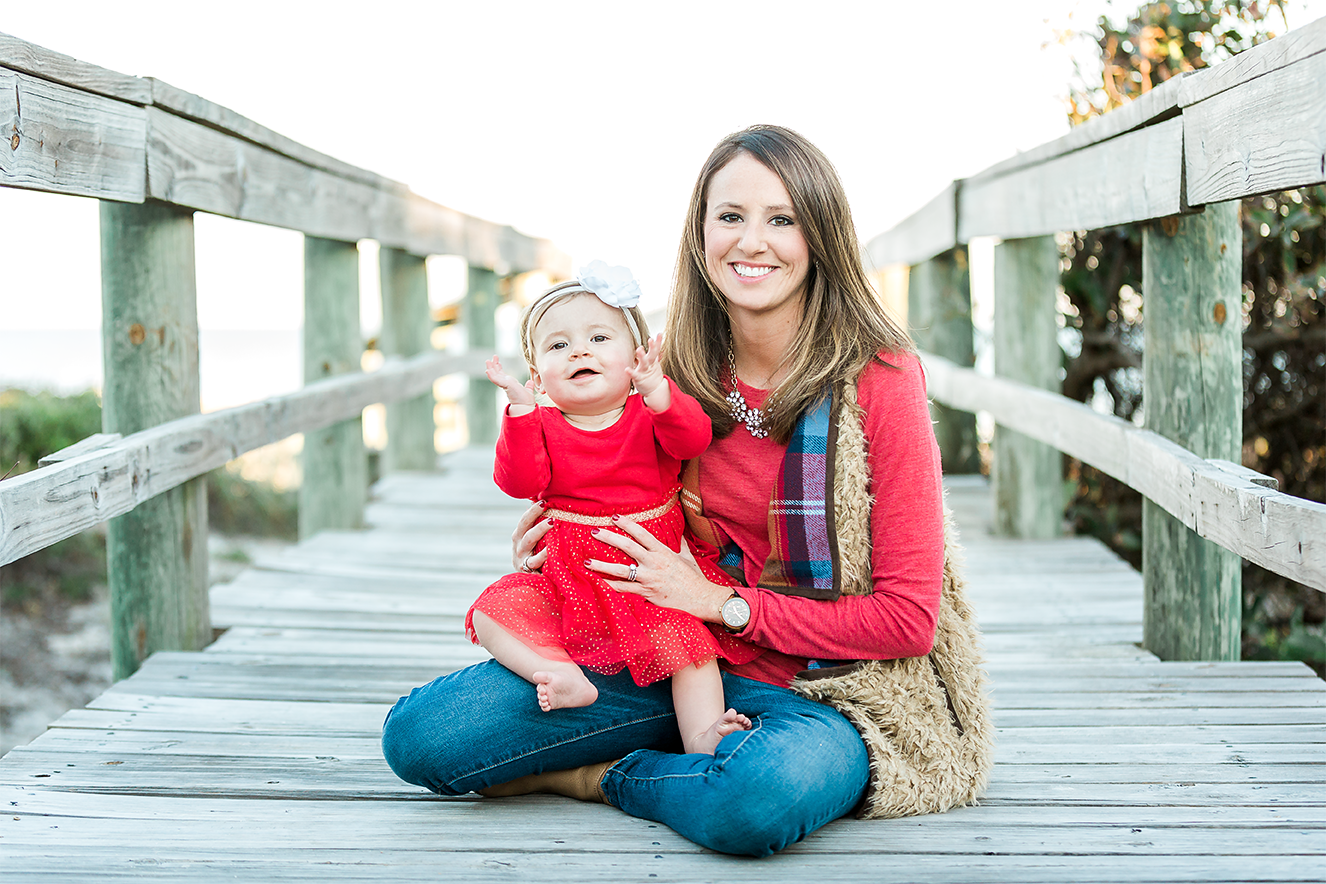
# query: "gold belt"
605, 521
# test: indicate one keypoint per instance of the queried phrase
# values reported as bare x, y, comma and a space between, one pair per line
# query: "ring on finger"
524, 566
632, 572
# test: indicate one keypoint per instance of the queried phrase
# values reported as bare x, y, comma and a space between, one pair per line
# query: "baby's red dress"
627, 469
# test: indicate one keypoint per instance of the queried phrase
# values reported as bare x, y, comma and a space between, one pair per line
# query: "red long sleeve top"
897, 619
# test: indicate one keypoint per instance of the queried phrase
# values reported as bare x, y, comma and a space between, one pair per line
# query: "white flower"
615, 286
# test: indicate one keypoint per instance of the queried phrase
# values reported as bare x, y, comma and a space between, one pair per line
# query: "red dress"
626, 469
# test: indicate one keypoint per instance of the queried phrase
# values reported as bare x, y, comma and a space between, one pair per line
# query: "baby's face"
582, 349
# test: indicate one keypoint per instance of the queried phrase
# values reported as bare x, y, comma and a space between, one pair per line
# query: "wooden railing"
1180, 157
154, 155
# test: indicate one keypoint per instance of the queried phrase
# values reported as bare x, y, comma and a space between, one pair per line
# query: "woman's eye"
729, 217
781, 221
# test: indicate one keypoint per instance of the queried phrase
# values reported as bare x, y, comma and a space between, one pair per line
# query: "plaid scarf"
803, 555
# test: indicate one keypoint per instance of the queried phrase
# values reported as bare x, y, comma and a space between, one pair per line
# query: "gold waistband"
605, 521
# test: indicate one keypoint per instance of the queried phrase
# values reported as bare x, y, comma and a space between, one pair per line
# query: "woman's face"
754, 250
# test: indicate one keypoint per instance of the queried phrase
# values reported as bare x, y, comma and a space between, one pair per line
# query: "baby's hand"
647, 373
516, 392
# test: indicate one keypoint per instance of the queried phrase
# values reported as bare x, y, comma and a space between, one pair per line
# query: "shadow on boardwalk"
258, 759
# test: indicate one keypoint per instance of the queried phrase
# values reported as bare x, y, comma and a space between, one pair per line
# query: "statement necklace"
742, 413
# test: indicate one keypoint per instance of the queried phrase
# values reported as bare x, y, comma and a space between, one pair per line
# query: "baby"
601, 452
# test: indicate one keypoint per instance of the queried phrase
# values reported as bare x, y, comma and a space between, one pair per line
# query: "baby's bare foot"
729, 722
564, 689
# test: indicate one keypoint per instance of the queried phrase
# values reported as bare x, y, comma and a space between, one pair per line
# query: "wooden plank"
47, 505
200, 110
1265, 135
1275, 530
927, 232
20, 55
478, 314
62, 140
156, 571
1193, 368
1285, 50
939, 315
1135, 177
1148, 109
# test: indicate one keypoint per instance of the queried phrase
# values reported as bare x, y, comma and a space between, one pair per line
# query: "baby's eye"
599, 339
557, 345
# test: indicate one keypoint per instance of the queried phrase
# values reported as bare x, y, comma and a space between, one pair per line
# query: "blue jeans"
801, 765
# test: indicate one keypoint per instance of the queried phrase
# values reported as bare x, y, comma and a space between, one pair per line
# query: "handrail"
75, 493
74, 128
1237, 129
1221, 501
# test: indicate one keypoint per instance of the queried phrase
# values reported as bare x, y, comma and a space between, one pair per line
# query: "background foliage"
1284, 313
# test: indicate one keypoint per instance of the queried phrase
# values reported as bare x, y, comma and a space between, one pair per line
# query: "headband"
614, 286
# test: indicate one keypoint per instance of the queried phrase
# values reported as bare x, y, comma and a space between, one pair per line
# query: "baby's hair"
565, 291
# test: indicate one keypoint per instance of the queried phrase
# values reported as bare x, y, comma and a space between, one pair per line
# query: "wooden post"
939, 313
479, 316
406, 328
335, 463
156, 555
1028, 475
1193, 394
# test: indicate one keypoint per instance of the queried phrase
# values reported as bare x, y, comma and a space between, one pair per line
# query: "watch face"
736, 612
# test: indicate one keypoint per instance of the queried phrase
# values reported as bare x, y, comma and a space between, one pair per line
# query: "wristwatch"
735, 613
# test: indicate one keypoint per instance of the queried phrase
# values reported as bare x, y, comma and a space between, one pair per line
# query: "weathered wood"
406, 326
156, 556
1027, 475
930, 231
1285, 50
481, 300
334, 460
1193, 387
1136, 176
91, 443
61, 140
1280, 532
1264, 135
45, 506
939, 314
20, 55
1147, 109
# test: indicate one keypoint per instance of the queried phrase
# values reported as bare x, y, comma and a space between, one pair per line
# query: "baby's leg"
697, 696
560, 682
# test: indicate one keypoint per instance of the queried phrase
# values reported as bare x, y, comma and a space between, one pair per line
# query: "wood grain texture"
407, 324
1193, 375
930, 231
61, 140
1264, 135
478, 314
1285, 50
1280, 532
1133, 177
45, 506
156, 555
20, 55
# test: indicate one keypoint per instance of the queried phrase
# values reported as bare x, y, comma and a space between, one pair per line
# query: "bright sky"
582, 122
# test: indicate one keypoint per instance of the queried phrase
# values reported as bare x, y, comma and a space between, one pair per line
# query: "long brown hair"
843, 324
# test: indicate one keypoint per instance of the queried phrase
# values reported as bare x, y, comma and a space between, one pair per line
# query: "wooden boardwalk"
258, 759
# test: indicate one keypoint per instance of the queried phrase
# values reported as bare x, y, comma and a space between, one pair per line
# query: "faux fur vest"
925, 720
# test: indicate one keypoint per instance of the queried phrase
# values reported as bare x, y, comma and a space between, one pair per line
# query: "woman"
774, 328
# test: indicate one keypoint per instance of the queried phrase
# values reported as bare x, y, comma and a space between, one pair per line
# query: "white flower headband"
614, 286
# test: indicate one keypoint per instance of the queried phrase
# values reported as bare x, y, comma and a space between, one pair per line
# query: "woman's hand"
529, 531
666, 578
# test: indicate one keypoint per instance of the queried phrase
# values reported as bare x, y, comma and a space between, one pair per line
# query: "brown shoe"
582, 783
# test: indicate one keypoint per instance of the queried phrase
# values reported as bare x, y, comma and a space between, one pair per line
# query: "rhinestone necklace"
742, 413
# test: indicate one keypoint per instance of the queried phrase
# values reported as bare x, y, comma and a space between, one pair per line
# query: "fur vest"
925, 720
